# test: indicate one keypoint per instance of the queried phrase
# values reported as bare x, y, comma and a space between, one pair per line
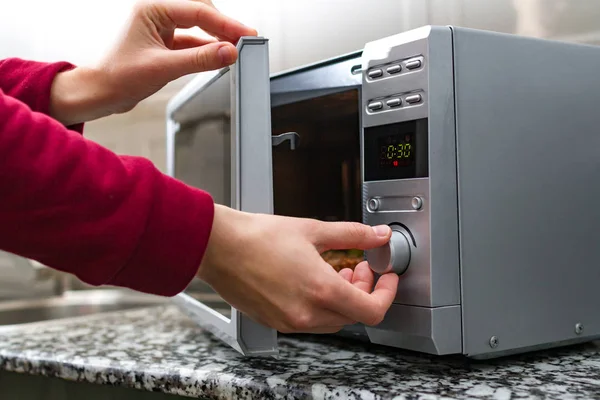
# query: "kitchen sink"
80, 303
74, 304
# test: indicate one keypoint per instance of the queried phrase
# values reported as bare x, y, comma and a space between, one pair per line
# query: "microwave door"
219, 139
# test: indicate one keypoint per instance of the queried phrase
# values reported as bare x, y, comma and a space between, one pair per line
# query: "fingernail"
225, 54
381, 230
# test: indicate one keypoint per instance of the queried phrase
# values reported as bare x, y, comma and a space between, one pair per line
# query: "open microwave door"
219, 139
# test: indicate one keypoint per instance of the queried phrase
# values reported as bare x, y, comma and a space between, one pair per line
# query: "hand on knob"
270, 268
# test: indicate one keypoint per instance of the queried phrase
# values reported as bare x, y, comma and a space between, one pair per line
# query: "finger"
210, 4
207, 2
213, 35
314, 319
223, 38
198, 59
191, 13
349, 235
182, 41
363, 277
347, 274
367, 308
220, 37
323, 330
325, 318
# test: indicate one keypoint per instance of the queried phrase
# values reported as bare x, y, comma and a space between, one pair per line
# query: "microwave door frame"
251, 179
323, 78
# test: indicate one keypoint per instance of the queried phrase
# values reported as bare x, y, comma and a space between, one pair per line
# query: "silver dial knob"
393, 256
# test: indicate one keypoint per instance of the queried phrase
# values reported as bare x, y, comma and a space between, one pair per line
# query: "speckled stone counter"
160, 349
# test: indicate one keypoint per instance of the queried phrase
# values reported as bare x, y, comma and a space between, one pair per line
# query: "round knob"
393, 256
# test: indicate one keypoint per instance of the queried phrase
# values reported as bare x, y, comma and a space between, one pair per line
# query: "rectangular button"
393, 102
394, 69
375, 73
375, 105
414, 98
413, 64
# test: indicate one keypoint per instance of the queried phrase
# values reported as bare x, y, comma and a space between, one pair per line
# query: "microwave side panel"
528, 164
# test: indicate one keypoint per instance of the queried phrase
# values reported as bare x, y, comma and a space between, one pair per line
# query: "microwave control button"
393, 256
373, 204
375, 105
416, 203
394, 69
393, 102
413, 98
375, 73
413, 64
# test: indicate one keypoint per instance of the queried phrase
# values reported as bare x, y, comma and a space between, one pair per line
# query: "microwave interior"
319, 177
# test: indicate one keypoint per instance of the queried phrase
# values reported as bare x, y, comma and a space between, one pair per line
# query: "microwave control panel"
397, 163
395, 159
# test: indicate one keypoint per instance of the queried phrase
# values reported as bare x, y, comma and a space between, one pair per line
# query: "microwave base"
432, 330
359, 333
437, 331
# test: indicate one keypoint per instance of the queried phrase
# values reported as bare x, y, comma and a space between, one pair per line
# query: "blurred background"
300, 32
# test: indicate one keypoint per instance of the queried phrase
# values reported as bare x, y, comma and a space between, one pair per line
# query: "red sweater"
75, 206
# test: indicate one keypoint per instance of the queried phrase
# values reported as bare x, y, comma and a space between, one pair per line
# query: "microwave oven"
480, 149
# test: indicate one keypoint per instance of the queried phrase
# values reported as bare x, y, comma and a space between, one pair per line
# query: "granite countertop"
160, 349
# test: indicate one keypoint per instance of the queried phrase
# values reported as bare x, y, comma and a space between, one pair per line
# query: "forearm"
31, 81
71, 95
75, 206
81, 95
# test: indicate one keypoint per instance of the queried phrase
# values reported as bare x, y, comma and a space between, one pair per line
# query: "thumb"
350, 235
209, 57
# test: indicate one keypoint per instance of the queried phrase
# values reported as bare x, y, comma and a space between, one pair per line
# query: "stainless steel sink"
74, 304
88, 302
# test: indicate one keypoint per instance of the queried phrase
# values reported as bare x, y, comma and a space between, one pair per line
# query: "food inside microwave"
340, 259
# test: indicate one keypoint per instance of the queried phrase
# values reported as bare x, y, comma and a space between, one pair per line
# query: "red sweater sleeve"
30, 81
75, 206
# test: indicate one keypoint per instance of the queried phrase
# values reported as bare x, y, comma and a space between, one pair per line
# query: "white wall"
300, 32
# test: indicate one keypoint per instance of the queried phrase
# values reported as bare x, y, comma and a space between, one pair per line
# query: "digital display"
396, 151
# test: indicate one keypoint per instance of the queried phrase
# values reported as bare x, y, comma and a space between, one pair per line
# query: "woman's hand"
147, 57
270, 268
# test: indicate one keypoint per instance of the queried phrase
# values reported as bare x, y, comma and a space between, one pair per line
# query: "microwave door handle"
292, 137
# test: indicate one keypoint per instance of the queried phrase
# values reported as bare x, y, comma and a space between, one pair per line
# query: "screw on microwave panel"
494, 342
578, 328
373, 204
416, 203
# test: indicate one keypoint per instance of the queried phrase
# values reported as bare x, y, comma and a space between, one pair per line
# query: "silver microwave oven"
481, 150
